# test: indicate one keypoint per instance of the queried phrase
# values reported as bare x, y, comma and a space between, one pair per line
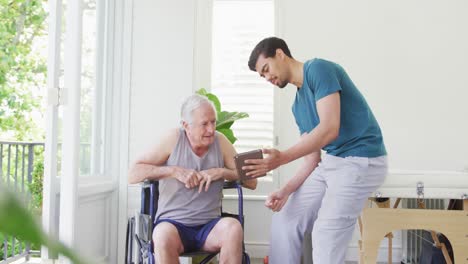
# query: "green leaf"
20, 67
201, 91
17, 221
229, 134
224, 118
225, 125
36, 19
213, 98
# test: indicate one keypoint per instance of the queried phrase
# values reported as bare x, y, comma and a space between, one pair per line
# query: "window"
92, 87
237, 27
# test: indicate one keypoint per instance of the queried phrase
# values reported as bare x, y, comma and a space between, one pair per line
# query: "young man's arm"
326, 131
276, 200
150, 166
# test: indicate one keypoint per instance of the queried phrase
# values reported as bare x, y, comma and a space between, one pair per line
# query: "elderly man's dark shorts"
193, 237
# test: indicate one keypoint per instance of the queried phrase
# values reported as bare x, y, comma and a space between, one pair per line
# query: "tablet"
240, 158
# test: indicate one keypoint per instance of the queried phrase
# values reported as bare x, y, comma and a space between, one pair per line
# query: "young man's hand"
276, 200
260, 167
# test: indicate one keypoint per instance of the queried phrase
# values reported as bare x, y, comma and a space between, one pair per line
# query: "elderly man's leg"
167, 243
226, 236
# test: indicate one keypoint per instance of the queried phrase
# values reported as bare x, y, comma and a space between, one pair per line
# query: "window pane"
92, 90
238, 88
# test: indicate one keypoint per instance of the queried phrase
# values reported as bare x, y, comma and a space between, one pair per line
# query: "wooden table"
377, 223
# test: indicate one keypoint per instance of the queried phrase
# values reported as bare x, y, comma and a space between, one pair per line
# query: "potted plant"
225, 118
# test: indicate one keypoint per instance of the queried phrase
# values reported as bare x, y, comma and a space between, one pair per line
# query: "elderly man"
191, 164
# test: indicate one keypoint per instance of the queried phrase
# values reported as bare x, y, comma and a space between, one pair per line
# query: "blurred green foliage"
17, 221
22, 69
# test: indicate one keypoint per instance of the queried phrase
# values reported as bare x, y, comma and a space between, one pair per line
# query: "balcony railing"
17, 163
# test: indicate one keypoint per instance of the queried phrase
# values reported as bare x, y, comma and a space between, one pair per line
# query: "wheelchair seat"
149, 207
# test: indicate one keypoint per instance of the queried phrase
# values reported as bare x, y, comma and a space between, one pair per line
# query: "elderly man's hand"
259, 167
208, 176
190, 178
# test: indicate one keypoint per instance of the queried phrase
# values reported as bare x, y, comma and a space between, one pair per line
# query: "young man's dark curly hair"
268, 47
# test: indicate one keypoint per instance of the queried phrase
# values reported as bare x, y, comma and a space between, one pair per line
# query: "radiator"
412, 239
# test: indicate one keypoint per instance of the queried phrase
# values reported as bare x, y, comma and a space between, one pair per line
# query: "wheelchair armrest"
237, 185
149, 197
147, 183
231, 185
227, 184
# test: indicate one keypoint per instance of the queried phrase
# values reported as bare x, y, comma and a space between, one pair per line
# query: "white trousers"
327, 204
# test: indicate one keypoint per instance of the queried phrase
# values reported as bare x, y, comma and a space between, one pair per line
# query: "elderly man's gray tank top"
187, 206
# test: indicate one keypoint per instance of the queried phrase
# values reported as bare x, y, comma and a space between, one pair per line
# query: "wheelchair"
145, 221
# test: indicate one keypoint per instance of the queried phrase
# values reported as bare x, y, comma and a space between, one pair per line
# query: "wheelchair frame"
149, 207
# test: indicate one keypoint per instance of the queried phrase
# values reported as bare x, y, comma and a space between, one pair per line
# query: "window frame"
202, 79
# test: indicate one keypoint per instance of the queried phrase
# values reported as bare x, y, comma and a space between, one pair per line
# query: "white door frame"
71, 123
49, 216
122, 79
117, 75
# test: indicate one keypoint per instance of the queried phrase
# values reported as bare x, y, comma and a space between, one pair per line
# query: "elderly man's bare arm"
228, 154
229, 172
150, 166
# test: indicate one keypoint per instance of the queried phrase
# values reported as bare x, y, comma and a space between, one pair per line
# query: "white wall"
162, 66
409, 59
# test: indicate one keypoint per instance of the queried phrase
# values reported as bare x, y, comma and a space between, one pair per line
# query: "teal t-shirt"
359, 133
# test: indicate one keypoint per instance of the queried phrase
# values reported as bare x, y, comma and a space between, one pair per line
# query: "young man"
191, 164
327, 193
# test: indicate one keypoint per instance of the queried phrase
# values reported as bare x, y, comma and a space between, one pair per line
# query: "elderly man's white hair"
191, 103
